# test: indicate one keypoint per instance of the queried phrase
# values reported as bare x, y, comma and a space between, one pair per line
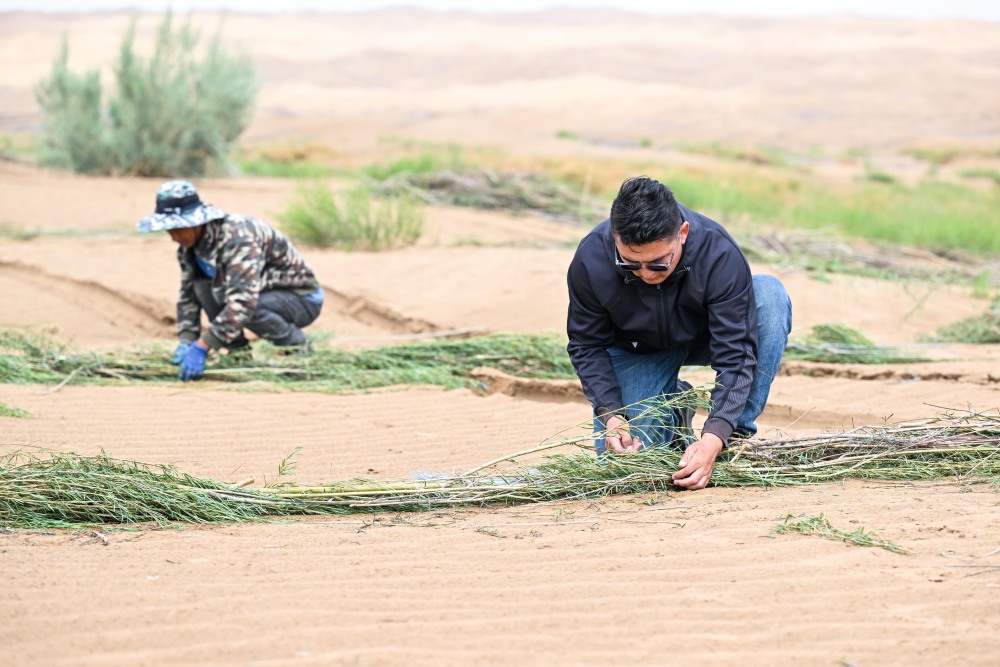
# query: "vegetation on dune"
983, 328
302, 159
360, 221
171, 115
49, 489
11, 411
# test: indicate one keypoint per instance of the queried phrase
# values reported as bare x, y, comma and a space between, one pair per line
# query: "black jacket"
707, 303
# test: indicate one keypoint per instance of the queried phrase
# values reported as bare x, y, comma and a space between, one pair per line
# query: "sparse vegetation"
765, 156
11, 411
821, 526
877, 176
983, 328
173, 115
360, 221
934, 215
428, 161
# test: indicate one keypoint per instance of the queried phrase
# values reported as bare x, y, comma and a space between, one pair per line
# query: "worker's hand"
193, 365
698, 462
182, 348
618, 439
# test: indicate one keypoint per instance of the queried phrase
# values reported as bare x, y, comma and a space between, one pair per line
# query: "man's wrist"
603, 414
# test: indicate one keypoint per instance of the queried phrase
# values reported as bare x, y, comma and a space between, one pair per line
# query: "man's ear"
685, 228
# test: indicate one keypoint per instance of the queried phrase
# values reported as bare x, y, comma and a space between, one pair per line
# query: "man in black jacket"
658, 286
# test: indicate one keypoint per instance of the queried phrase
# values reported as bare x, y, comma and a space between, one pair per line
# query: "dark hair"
644, 211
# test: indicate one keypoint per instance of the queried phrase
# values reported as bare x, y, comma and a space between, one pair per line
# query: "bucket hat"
178, 205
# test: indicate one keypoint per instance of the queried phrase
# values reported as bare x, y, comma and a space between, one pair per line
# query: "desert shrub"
173, 115
983, 328
359, 222
876, 176
11, 411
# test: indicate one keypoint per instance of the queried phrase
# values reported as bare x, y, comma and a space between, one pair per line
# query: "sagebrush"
177, 113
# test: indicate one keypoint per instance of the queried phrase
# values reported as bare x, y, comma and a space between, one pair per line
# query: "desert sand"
659, 579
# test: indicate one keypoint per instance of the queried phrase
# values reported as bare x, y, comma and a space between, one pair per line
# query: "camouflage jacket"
247, 257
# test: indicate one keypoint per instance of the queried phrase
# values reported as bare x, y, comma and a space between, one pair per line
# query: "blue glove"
193, 366
182, 348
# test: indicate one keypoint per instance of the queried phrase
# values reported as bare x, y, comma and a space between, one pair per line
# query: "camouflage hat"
178, 205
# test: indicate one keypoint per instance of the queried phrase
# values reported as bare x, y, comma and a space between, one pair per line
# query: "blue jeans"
642, 377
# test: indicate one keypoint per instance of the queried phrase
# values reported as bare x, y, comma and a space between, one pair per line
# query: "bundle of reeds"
38, 359
58, 489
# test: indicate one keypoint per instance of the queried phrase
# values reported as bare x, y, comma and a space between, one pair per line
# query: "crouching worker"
243, 273
656, 287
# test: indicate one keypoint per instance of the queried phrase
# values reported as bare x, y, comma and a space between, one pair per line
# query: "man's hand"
698, 462
180, 352
193, 365
618, 439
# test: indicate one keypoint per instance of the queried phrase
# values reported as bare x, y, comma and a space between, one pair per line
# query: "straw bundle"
57, 489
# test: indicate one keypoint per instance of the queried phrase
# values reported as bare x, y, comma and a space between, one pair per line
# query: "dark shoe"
294, 350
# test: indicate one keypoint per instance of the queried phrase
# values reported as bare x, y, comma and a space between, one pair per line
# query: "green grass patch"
819, 525
271, 168
359, 221
745, 189
567, 134
981, 329
938, 156
426, 160
11, 411
876, 176
937, 215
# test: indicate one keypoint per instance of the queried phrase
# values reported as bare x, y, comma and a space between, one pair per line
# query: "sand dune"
657, 579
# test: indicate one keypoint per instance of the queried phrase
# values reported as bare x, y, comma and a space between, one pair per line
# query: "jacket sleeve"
242, 260
591, 332
188, 308
732, 326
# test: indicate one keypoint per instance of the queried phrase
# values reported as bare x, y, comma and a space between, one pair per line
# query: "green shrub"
11, 411
876, 176
983, 328
174, 115
361, 222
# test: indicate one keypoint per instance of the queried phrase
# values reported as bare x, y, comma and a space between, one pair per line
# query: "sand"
666, 578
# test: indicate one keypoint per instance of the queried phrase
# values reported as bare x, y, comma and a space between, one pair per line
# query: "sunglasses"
649, 266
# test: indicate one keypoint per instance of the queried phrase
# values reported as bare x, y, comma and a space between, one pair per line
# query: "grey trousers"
277, 318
